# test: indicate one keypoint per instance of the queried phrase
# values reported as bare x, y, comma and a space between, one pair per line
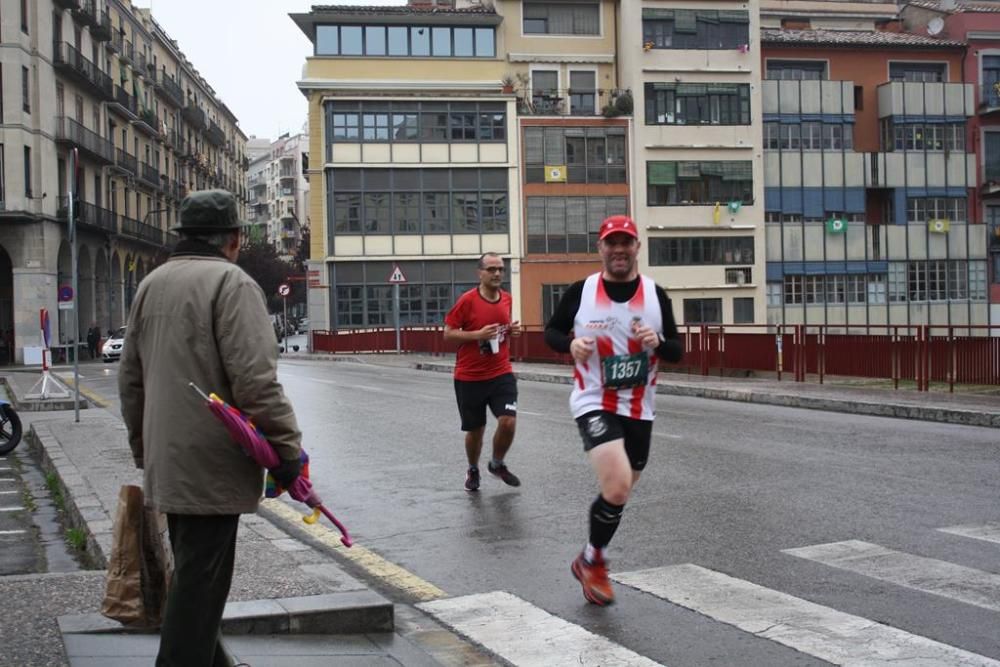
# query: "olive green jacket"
201, 319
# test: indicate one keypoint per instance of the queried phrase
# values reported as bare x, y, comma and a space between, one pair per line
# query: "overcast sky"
250, 52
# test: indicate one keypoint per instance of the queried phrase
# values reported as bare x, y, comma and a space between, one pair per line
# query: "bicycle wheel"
10, 429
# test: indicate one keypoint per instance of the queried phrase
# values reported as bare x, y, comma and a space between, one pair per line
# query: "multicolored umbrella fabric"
256, 446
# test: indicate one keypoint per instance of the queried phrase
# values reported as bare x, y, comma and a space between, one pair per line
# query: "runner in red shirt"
481, 321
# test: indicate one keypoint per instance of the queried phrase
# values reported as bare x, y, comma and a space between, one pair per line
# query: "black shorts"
599, 427
500, 393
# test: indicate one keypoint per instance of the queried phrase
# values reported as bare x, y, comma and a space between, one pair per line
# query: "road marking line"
368, 560
7, 479
524, 634
989, 532
11, 509
86, 393
810, 628
929, 575
12, 532
4, 493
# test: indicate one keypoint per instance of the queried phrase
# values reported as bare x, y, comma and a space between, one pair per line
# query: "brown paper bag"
141, 563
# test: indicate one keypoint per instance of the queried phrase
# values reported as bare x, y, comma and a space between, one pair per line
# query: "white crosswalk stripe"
810, 628
524, 634
937, 577
989, 532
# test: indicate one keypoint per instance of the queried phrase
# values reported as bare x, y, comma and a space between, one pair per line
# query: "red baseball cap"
618, 224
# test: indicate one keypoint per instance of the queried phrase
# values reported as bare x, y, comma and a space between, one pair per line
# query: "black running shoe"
472, 480
509, 478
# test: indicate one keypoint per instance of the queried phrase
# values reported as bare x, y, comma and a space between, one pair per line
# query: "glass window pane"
375, 40
485, 40
350, 40
398, 44
420, 41
442, 41
327, 43
463, 42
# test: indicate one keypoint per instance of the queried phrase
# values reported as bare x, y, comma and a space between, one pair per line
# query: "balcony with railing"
73, 63
69, 131
148, 123
101, 28
86, 12
140, 63
215, 135
575, 102
124, 102
149, 174
128, 52
989, 98
140, 231
195, 115
126, 162
87, 214
171, 89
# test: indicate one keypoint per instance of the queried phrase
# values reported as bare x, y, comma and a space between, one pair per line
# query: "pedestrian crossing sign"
397, 275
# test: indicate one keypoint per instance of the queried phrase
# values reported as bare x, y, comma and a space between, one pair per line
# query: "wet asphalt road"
728, 487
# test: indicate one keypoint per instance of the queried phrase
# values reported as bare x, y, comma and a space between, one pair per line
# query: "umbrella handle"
314, 517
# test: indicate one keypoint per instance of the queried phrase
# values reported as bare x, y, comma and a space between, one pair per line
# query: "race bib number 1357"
625, 371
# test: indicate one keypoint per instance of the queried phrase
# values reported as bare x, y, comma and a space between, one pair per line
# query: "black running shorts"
499, 393
599, 427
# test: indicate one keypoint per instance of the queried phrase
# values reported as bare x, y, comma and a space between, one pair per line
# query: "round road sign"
284, 289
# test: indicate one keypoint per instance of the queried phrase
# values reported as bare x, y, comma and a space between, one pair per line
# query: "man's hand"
581, 348
646, 335
286, 472
487, 332
515, 328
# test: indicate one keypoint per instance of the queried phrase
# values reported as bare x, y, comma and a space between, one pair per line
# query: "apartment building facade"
869, 168
102, 78
978, 25
697, 179
413, 160
278, 191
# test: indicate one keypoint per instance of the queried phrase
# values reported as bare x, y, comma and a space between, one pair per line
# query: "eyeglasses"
493, 269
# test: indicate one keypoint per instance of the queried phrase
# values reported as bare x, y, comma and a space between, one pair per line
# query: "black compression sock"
604, 520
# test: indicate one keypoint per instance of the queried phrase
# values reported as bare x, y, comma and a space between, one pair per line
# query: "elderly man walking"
200, 318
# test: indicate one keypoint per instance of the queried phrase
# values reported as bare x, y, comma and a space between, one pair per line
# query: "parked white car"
112, 348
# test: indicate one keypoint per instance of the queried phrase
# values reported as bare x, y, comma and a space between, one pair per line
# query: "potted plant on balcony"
621, 104
508, 84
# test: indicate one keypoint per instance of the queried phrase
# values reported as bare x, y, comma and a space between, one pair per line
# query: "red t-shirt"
472, 312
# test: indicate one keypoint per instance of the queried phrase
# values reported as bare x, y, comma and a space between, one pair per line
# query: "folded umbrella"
256, 446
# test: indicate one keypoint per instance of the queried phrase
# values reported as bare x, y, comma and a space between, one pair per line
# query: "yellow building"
105, 79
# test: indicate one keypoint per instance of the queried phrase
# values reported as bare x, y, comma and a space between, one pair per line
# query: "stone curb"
82, 506
343, 613
897, 410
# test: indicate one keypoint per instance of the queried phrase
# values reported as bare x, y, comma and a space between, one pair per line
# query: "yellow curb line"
86, 393
368, 560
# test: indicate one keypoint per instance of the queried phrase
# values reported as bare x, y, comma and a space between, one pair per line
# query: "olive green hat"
208, 211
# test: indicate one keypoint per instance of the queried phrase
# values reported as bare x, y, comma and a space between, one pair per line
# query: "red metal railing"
921, 354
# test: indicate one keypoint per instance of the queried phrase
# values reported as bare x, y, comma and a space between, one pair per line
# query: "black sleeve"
671, 349
557, 329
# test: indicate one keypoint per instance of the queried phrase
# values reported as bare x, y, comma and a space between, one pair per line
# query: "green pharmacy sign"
836, 225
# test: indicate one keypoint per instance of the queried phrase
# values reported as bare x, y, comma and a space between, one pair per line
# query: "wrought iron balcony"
125, 102
989, 98
117, 42
171, 89
86, 12
148, 123
128, 52
101, 28
141, 231
71, 132
126, 162
575, 102
71, 62
215, 135
194, 115
87, 214
150, 174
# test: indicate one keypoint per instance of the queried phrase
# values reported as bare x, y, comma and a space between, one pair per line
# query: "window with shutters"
697, 104
554, 17
699, 183
699, 29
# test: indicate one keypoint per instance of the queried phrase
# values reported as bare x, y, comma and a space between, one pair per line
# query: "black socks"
604, 520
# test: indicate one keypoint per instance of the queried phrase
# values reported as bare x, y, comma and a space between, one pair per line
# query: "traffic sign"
397, 276
65, 293
284, 289
65, 305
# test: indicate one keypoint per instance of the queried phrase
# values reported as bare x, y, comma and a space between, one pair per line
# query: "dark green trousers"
204, 549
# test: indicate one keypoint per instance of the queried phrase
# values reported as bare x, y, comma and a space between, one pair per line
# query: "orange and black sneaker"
593, 577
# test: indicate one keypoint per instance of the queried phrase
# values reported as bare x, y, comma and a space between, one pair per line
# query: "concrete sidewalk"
290, 603
836, 395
